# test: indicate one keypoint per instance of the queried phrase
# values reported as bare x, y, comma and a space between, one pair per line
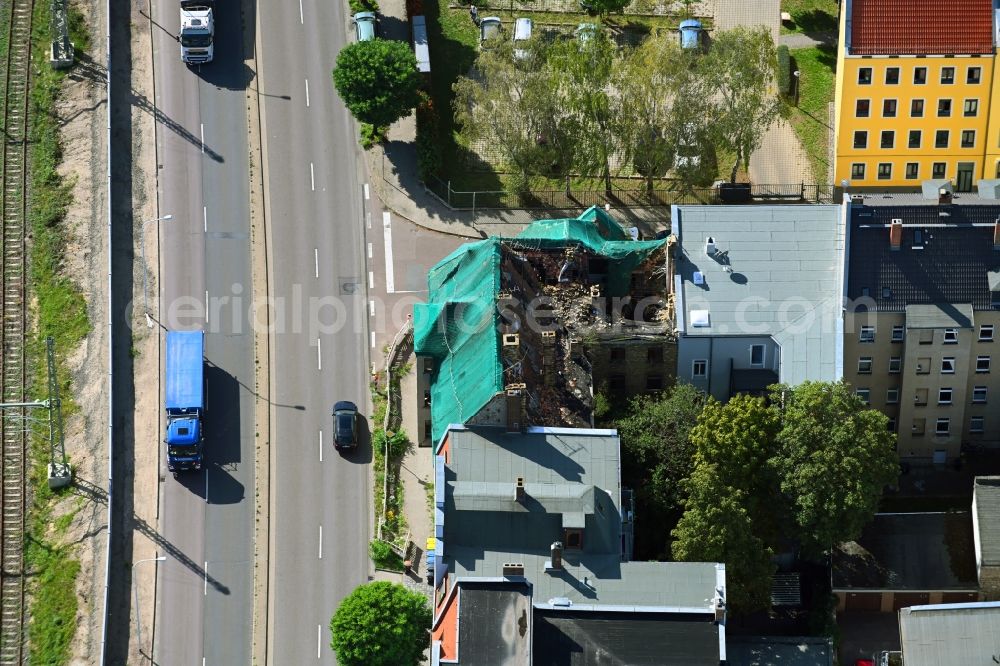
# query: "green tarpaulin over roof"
458, 325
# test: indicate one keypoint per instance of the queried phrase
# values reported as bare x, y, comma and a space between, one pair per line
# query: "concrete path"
801, 40
781, 159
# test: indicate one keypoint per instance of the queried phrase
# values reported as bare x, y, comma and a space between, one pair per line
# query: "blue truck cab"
185, 399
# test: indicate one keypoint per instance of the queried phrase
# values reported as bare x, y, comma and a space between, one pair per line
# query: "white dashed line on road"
319, 355
203, 137
204, 217
316, 259
307, 93
369, 250
205, 589
368, 220
373, 339
390, 278
206, 306
367, 194
312, 177
371, 308
321, 446
319, 639
302, 18
371, 279
321, 542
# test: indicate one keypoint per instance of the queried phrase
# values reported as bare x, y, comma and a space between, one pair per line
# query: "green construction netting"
457, 327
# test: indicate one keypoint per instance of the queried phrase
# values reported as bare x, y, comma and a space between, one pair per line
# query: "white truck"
197, 31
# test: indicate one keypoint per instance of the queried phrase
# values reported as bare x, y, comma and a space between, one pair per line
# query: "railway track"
17, 63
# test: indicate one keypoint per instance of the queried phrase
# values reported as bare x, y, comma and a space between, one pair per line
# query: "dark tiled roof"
921, 27
952, 267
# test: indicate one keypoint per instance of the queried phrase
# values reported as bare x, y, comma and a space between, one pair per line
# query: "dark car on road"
345, 425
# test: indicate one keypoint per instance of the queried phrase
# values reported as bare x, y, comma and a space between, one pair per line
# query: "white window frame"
986, 333
948, 361
867, 334
901, 333
981, 359
895, 365
945, 394
979, 395
977, 429
694, 367
865, 361
763, 356
864, 394
946, 421
950, 336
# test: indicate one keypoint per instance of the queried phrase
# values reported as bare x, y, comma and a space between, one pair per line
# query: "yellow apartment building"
916, 94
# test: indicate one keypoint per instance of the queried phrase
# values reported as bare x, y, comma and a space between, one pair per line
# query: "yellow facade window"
888, 108
944, 108
973, 75
858, 170
947, 76
863, 108
919, 76
917, 108
971, 108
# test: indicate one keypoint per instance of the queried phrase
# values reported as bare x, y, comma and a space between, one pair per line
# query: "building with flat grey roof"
949, 634
543, 507
986, 533
758, 293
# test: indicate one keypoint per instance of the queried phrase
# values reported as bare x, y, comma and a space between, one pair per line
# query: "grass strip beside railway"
58, 309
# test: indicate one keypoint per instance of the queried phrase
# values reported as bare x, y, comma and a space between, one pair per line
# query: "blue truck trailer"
185, 399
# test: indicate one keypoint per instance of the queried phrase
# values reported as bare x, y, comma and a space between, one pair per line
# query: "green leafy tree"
740, 69
378, 81
604, 7
835, 458
718, 527
657, 452
380, 624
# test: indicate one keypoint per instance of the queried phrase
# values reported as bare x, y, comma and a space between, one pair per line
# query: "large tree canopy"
381, 624
378, 81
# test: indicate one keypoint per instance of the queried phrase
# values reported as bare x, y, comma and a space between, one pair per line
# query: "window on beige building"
979, 395
891, 424
976, 425
942, 426
895, 365
944, 396
917, 429
986, 333
950, 336
892, 396
982, 364
948, 365
897, 334
867, 334
865, 395
865, 365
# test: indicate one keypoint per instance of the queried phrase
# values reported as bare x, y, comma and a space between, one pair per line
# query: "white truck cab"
197, 31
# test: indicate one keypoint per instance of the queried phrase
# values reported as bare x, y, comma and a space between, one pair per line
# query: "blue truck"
185, 399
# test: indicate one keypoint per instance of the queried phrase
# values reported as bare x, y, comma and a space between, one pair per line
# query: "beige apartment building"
922, 321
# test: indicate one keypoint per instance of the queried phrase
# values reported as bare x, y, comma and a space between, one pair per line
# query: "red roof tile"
921, 27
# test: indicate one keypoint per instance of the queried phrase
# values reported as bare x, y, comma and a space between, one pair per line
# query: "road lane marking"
321, 542
307, 93
390, 277
319, 355
369, 250
312, 177
319, 639
206, 321
371, 307
302, 19
316, 259
368, 220
371, 279
321, 446
205, 589
367, 195
203, 138
373, 339
204, 217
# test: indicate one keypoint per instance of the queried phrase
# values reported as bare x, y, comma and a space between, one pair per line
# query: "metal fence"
703, 9
663, 194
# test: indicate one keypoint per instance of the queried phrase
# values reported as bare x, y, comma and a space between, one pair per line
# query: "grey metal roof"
986, 491
952, 267
479, 538
949, 634
567, 638
778, 651
939, 315
930, 189
494, 625
909, 551
778, 271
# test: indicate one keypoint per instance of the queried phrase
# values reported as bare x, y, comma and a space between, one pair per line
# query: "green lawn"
810, 16
811, 118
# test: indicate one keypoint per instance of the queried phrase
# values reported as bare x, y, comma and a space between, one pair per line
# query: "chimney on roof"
996, 234
519, 489
555, 557
515, 410
896, 233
